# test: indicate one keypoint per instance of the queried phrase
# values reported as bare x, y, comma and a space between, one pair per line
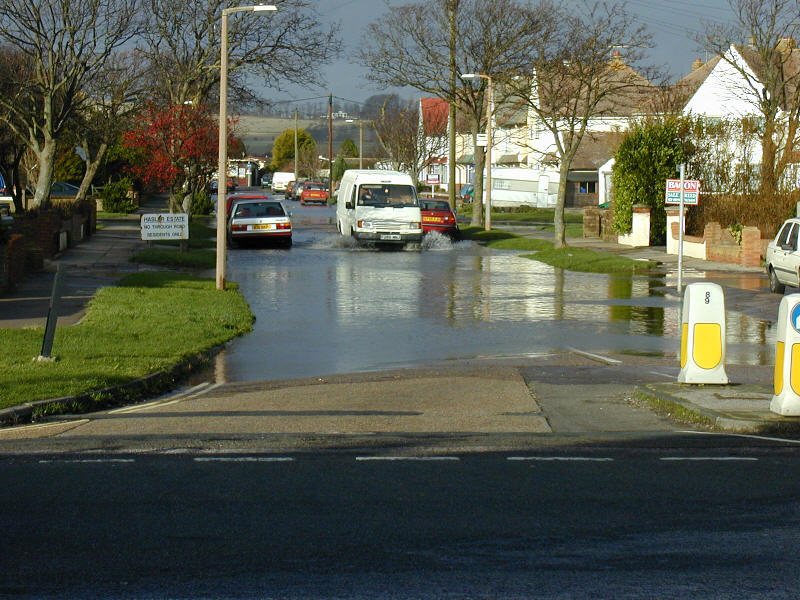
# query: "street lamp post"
360, 141
222, 167
489, 111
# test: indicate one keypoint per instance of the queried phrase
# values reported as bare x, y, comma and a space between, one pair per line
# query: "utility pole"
452, 12
330, 147
295, 144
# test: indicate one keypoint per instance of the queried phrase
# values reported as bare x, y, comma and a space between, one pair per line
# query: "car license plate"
433, 219
390, 236
263, 226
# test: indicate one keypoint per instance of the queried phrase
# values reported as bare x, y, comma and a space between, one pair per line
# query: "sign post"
165, 226
682, 191
433, 179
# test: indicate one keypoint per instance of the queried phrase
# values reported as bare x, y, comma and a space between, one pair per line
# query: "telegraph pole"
330, 147
295, 144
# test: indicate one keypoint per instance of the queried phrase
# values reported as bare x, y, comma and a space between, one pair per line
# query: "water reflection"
327, 307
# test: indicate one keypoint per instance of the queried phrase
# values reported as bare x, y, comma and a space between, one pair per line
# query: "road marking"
744, 435
89, 460
162, 402
243, 459
409, 458
668, 376
562, 458
603, 359
711, 458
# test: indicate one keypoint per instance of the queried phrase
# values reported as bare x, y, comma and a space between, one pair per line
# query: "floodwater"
327, 306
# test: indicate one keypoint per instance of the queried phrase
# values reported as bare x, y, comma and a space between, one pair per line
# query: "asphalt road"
648, 519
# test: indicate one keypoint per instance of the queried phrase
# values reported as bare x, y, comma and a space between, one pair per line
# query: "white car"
259, 219
783, 258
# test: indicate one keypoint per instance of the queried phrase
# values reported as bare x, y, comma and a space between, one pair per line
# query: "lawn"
150, 322
589, 261
531, 215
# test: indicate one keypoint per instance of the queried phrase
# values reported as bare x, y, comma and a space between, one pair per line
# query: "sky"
673, 23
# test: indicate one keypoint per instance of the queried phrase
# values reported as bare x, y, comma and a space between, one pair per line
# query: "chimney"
696, 64
617, 60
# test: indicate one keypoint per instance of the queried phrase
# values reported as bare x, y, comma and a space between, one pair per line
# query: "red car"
242, 196
438, 216
313, 191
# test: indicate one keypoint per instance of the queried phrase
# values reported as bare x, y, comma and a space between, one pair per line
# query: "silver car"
259, 219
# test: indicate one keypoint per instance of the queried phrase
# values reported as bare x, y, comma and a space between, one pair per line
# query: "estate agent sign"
691, 191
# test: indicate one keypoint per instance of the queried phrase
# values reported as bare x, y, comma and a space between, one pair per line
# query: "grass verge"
589, 261
151, 322
503, 240
532, 215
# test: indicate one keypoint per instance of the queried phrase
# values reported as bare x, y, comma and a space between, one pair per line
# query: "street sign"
433, 179
691, 191
481, 139
165, 226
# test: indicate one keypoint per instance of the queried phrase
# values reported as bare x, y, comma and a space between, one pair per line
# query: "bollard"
786, 381
703, 335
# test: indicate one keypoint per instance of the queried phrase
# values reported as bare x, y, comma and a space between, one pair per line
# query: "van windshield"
387, 194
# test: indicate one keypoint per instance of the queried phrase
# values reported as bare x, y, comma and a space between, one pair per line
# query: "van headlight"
364, 224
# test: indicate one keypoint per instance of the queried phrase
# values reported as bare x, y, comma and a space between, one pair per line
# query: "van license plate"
390, 236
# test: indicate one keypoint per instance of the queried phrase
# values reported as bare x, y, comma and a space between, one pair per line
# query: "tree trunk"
91, 170
559, 238
46, 157
479, 157
769, 184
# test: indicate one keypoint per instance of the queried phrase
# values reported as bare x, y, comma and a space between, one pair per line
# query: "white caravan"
379, 207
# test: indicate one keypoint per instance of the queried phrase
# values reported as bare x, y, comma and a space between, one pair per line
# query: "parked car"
467, 193
438, 216
259, 219
266, 180
242, 196
314, 191
297, 189
6, 208
63, 189
214, 185
783, 258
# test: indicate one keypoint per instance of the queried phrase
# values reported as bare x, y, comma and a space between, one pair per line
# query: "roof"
595, 150
435, 113
685, 88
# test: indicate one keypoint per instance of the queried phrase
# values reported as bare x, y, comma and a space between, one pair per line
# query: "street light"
489, 109
222, 167
360, 141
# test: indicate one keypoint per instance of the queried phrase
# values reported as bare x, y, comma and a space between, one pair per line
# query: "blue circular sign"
794, 317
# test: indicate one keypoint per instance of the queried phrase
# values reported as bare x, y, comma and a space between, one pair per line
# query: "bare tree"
579, 72
13, 68
183, 48
768, 66
401, 135
66, 43
112, 99
492, 40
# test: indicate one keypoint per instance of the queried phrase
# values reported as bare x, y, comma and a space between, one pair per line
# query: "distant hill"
259, 133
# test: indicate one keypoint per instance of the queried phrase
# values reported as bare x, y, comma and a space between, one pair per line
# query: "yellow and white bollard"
786, 400
703, 334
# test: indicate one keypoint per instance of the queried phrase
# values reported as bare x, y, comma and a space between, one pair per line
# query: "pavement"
578, 380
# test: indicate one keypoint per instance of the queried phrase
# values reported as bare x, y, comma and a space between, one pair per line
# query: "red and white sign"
691, 191
433, 179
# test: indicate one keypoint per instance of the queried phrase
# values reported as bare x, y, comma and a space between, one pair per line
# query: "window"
588, 187
793, 238
784, 236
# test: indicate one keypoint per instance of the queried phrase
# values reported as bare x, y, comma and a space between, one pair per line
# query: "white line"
711, 458
90, 460
605, 359
243, 459
668, 376
396, 458
561, 458
44, 426
744, 435
162, 402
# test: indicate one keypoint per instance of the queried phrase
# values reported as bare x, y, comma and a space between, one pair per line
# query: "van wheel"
775, 286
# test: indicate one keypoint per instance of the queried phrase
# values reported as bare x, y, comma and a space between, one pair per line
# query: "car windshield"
387, 194
259, 209
315, 186
434, 205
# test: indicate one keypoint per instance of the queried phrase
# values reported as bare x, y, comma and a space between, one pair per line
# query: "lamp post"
489, 110
222, 167
360, 141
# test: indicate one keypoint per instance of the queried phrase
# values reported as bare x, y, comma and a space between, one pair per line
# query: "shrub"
115, 196
201, 203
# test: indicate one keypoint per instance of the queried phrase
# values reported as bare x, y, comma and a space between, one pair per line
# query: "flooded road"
328, 307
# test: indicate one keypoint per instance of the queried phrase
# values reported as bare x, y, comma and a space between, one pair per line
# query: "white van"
280, 179
378, 206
